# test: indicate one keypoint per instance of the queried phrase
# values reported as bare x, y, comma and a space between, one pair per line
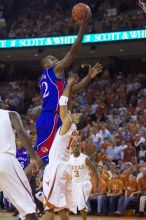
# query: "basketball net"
142, 5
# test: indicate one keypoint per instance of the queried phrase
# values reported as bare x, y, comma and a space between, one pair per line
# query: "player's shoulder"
83, 155
10, 113
13, 114
3, 110
47, 72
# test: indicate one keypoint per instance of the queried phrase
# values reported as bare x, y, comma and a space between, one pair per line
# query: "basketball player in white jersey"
81, 184
57, 175
13, 181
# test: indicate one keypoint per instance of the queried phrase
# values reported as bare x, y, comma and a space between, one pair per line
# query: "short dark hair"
82, 122
45, 59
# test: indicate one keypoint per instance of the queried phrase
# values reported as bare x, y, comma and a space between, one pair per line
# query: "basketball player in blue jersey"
22, 156
52, 84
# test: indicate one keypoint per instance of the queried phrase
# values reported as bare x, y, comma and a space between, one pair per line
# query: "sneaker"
117, 213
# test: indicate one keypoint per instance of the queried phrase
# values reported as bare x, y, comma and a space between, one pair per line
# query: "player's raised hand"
72, 79
95, 70
85, 19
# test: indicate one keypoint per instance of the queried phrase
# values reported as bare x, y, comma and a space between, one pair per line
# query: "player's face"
76, 117
50, 61
76, 147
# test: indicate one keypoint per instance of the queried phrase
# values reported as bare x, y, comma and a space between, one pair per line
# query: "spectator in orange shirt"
101, 156
126, 173
111, 170
135, 165
129, 152
132, 191
101, 197
103, 174
142, 182
115, 190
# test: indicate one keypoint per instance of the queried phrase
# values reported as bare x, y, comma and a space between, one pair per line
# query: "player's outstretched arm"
63, 103
90, 165
71, 55
23, 137
92, 73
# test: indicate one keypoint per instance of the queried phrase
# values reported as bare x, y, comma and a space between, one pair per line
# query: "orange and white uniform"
57, 174
81, 184
13, 181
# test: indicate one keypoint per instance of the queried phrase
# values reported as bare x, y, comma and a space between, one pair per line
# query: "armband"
63, 100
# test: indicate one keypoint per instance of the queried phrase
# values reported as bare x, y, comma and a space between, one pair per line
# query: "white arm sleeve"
63, 101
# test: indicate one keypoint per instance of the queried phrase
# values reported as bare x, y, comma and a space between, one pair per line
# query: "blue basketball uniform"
22, 157
48, 122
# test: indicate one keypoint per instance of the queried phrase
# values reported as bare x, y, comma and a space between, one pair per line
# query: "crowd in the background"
116, 110
36, 18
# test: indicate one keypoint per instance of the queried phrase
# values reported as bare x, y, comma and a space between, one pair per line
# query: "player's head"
80, 120
48, 61
76, 147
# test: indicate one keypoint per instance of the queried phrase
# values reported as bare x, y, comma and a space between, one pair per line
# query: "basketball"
89, 149
80, 11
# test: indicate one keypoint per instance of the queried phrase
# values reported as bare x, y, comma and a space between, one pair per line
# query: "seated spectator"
132, 191
115, 151
111, 171
142, 183
101, 197
135, 165
115, 190
142, 154
129, 152
103, 174
104, 132
96, 138
101, 156
138, 141
126, 173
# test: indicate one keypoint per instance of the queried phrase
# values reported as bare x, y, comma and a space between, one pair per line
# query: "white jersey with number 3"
80, 172
81, 184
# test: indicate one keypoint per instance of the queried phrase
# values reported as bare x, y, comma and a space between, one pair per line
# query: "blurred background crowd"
36, 18
115, 102
115, 105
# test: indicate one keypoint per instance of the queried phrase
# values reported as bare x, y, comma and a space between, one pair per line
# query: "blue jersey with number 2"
48, 121
51, 90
